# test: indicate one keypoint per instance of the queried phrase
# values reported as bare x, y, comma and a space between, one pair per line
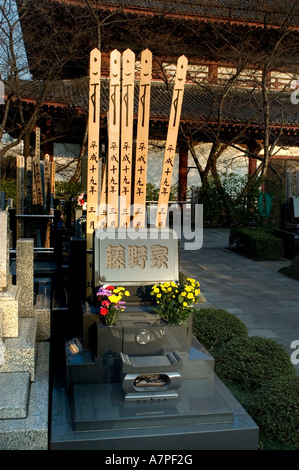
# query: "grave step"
101, 407
20, 352
30, 432
14, 394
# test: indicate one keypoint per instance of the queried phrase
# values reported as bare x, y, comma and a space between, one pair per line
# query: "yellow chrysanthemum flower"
159, 295
114, 298
184, 294
190, 296
127, 293
185, 304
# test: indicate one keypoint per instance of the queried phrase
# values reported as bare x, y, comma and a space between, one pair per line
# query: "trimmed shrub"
252, 361
292, 270
214, 327
257, 244
9, 187
275, 409
65, 188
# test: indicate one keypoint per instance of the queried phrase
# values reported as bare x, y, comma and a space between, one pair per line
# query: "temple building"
240, 96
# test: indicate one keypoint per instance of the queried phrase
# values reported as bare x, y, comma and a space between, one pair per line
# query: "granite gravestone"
143, 383
139, 383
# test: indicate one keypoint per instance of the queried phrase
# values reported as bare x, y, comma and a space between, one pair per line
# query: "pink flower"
105, 303
103, 311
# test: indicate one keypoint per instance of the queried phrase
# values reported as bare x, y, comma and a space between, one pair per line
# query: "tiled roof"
200, 104
248, 10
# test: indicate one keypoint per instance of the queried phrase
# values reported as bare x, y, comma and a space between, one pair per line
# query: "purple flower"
102, 291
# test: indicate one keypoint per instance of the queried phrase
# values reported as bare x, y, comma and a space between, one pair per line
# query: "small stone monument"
9, 293
25, 276
23, 362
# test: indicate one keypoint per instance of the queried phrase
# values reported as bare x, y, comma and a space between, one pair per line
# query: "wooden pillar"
20, 194
183, 172
48, 148
252, 164
213, 73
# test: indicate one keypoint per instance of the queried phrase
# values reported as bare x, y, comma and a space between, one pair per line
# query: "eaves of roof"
201, 104
274, 12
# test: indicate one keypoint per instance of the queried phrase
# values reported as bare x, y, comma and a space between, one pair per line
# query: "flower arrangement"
174, 300
80, 200
111, 302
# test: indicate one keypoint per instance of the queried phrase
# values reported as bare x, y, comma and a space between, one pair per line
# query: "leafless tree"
28, 83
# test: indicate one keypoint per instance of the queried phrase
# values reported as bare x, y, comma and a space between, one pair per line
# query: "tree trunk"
75, 178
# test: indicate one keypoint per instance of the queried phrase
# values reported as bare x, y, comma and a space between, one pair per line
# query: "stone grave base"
24, 417
95, 416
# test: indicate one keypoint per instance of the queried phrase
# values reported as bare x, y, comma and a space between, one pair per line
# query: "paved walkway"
264, 299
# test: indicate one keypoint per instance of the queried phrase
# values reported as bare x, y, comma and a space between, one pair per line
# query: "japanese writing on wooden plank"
47, 170
142, 139
53, 178
37, 172
102, 218
127, 115
113, 139
172, 133
29, 185
93, 156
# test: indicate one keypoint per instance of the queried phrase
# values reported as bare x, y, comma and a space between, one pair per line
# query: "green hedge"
256, 244
257, 371
292, 270
252, 361
214, 327
275, 407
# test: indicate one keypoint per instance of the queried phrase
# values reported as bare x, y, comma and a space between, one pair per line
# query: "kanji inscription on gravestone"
116, 256
127, 256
